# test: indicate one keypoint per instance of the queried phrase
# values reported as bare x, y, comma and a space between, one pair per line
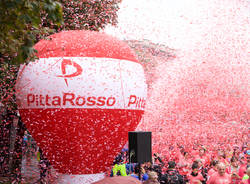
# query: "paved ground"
30, 169
4, 180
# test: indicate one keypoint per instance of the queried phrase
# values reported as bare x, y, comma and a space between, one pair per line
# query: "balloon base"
79, 179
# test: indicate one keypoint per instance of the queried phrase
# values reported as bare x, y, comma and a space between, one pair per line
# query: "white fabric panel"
85, 83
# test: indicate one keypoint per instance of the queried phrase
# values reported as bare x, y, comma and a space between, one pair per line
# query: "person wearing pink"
203, 157
184, 165
246, 178
221, 177
213, 168
195, 176
221, 157
194, 152
244, 166
242, 170
233, 170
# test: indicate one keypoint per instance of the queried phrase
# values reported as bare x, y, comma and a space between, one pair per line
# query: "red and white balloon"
80, 99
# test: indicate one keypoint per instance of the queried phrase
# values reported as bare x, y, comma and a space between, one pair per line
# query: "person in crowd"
179, 153
195, 151
245, 165
221, 177
130, 168
203, 170
243, 152
119, 168
184, 165
213, 168
157, 165
123, 156
202, 156
246, 177
236, 151
157, 160
233, 170
195, 176
25, 138
172, 176
140, 173
221, 157
152, 178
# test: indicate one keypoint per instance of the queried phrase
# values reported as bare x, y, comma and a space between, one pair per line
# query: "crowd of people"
196, 166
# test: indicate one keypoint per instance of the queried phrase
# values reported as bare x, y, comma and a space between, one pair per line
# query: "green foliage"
89, 14
8, 75
21, 22
24, 22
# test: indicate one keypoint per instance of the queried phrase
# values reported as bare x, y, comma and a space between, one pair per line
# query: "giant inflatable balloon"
80, 99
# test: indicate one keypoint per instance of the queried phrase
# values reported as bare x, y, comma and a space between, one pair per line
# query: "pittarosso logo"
64, 64
71, 99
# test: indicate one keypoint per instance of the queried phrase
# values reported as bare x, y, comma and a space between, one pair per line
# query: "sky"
178, 24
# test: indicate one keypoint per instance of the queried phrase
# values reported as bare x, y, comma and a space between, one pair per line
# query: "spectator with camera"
157, 165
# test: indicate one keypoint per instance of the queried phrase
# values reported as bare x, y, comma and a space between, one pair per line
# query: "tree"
20, 22
24, 22
89, 14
